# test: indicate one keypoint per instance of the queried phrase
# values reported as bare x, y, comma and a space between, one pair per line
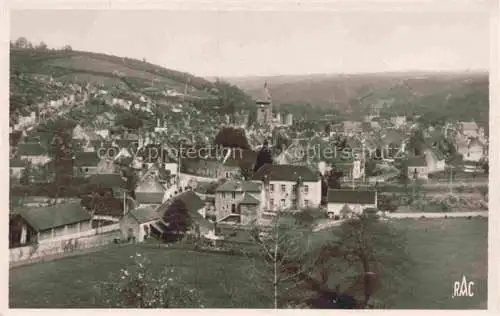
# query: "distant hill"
105, 70
405, 93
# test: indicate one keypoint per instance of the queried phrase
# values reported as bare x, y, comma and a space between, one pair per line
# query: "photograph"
250, 158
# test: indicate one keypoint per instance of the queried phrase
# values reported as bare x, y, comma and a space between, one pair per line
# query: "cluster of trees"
24, 43
232, 138
301, 265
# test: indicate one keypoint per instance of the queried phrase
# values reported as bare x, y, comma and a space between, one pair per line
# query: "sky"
262, 43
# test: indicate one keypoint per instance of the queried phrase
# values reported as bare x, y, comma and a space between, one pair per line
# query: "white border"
340, 5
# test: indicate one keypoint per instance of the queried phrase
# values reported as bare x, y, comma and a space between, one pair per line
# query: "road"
328, 223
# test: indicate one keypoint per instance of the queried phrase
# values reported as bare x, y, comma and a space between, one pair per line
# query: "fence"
64, 245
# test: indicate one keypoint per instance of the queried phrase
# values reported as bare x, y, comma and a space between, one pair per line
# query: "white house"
136, 224
289, 187
344, 203
417, 168
475, 151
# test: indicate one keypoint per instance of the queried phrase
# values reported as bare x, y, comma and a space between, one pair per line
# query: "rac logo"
463, 288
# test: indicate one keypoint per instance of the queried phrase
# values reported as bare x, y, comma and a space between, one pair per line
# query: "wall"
335, 208
67, 244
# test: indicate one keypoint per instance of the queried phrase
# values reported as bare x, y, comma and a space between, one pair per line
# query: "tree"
375, 249
333, 179
386, 203
138, 286
178, 218
264, 156
67, 48
416, 143
370, 167
42, 46
21, 42
277, 246
129, 121
232, 138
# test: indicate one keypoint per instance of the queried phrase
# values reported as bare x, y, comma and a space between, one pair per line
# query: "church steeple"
264, 107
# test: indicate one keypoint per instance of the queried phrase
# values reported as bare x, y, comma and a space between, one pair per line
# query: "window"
306, 203
306, 189
283, 188
294, 188
223, 195
294, 203
234, 195
283, 203
271, 187
227, 175
271, 203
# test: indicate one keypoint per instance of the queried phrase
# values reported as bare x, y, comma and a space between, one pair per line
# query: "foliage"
129, 121
371, 246
140, 288
232, 138
177, 216
264, 156
333, 179
387, 203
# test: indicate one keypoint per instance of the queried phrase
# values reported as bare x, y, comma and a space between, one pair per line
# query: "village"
135, 177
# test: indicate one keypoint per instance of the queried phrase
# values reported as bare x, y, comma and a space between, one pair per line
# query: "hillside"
104, 70
404, 92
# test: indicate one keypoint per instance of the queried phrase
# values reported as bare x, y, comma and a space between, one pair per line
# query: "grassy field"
442, 250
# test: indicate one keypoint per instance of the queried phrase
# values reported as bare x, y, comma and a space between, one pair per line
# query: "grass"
442, 250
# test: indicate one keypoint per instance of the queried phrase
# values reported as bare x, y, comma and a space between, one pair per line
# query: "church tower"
264, 107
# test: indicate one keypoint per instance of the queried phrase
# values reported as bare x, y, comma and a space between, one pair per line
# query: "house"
137, 224
234, 161
476, 151
351, 128
239, 201
16, 168
149, 190
344, 203
60, 221
289, 186
398, 121
468, 129
349, 168
416, 168
35, 153
434, 159
85, 164
113, 183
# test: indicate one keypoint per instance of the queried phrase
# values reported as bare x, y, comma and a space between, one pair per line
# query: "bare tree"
280, 244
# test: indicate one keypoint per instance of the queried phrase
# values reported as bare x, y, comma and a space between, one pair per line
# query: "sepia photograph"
258, 159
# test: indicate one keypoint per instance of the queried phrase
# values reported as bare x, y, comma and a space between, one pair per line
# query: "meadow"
442, 251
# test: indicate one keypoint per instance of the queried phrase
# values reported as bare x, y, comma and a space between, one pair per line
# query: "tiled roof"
285, 173
86, 159
146, 214
17, 163
150, 184
109, 181
417, 161
239, 186
351, 196
45, 218
149, 197
31, 149
248, 199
